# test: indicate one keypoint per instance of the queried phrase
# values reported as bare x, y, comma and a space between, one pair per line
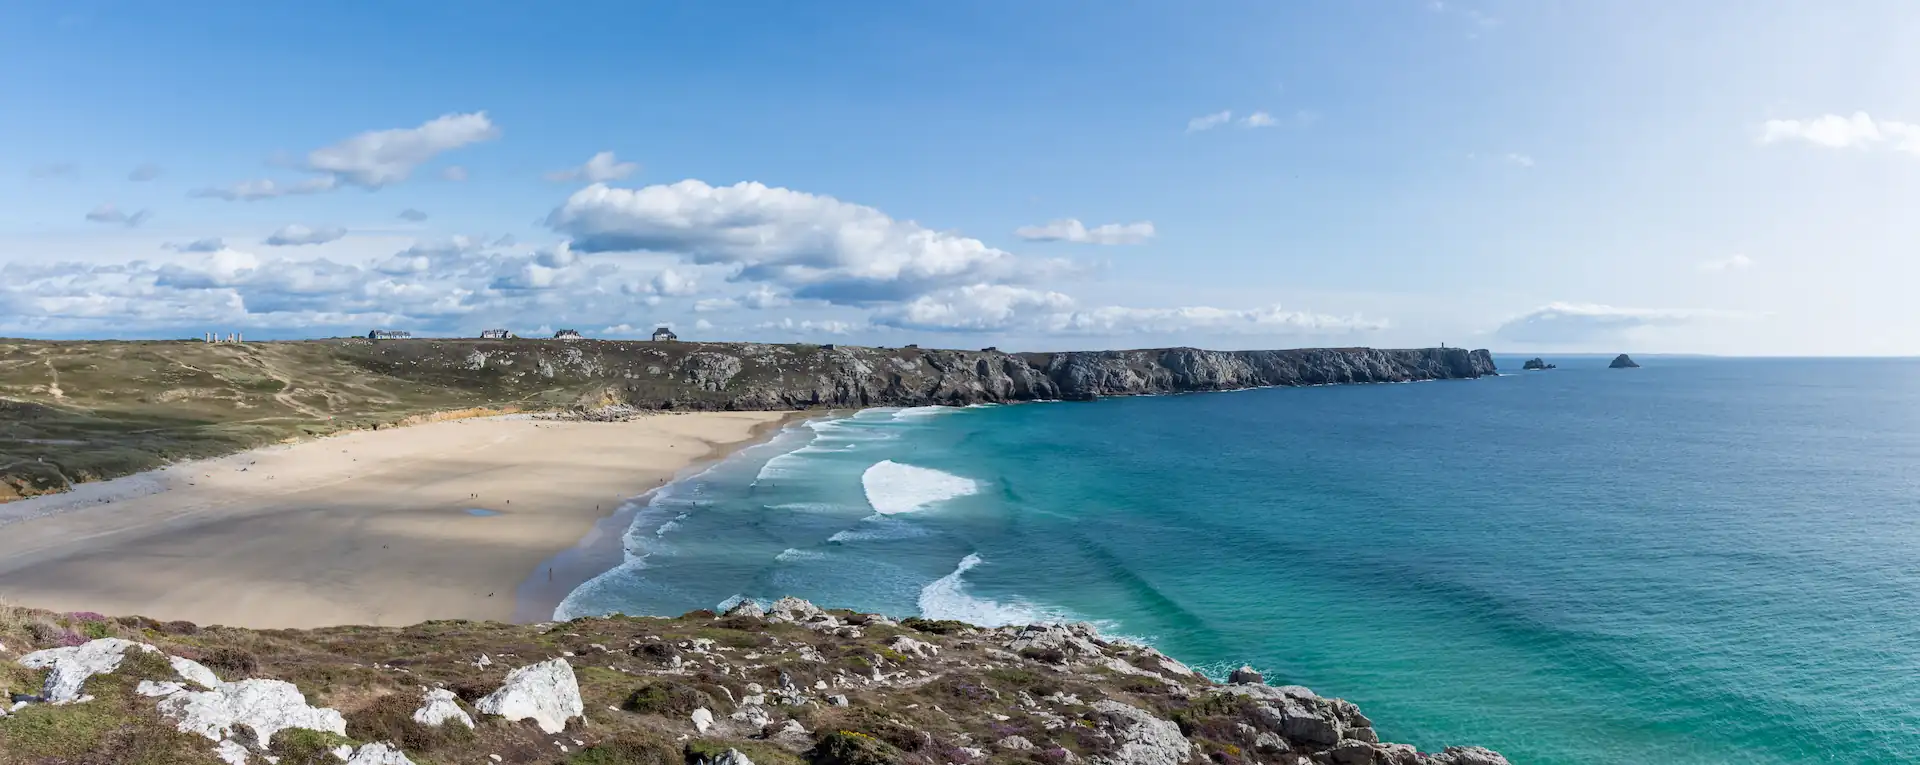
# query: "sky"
1527, 176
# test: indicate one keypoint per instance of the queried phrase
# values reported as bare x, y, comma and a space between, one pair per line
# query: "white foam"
792, 554
922, 412
666, 527
895, 488
805, 507
878, 527
947, 598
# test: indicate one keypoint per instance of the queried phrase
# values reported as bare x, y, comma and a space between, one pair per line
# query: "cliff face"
753, 376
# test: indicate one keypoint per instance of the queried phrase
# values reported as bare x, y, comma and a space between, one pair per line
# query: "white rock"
546, 693
1015, 744
230, 752
342, 751
441, 707
194, 672
154, 690
378, 754
730, 757
265, 707
72, 665
1145, 739
907, 645
702, 720
494, 757
837, 700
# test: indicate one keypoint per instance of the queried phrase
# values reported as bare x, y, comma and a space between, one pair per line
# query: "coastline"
603, 547
387, 527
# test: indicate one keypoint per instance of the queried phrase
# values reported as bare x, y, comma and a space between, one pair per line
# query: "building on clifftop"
495, 334
663, 335
567, 334
389, 334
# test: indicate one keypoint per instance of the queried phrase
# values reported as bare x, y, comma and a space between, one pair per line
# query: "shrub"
232, 663
1045, 655
845, 747
390, 718
667, 698
300, 746
631, 748
935, 626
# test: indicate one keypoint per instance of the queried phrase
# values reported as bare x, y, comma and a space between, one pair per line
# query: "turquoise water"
1699, 561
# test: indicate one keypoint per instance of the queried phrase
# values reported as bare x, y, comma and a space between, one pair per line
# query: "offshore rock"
1623, 361
1537, 363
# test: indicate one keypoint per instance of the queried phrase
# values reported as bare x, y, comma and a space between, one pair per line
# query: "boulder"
546, 693
1144, 739
911, 647
264, 707
746, 607
378, 754
1469, 755
1246, 675
72, 665
1623, 361
702, 720
729, 757
1015, 744
440, 707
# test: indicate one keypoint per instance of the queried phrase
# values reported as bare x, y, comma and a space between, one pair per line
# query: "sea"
1703, 560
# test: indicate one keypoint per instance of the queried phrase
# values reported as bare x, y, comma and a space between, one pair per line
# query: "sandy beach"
396, 526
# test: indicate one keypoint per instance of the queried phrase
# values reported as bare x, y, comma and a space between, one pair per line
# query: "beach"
446, 520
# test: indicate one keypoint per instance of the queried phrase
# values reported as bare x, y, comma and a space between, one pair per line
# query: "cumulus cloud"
455, 173
600, 168
709, 305
1856, 131
814, 246
294, 235
1209, 121
372, 160
808, 326
1734, 262
1581, 322
975, 307
1259, 119
412, 215
145, 172
764, 297
1072, 230
108, 213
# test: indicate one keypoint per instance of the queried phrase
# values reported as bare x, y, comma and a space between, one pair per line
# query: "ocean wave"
893, 488
878, 528
805, 507
947, 598
922, 412
792, 554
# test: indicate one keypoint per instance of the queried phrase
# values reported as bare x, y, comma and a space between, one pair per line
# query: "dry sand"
364, 528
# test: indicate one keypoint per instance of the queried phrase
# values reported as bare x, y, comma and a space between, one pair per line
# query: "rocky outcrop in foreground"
787, 684
754, 376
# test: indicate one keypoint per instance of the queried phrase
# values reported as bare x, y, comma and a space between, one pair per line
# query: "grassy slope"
637, 705
74, 412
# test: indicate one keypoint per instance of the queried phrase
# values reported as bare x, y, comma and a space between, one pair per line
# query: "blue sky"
1594, 176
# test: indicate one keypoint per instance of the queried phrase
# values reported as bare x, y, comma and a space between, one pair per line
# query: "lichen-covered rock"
439, 707
1469, 755
911, 647
264, 707
546, 693
72, 665
1144, 739
378, 754
746, 607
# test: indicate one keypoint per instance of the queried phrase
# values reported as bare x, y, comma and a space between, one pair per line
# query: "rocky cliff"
753, 376
784, 685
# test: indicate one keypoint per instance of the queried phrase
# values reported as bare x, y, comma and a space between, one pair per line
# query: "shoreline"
603, 547
387, 527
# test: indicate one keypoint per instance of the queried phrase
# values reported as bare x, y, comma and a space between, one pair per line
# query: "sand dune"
397, 526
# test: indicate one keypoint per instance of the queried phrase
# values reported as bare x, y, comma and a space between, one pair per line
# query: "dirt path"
285, 395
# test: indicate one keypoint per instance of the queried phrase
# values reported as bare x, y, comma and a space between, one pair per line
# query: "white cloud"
1209, 121
267, 188
600, 168
1736, 262
1259, 119
1000, 308
1576, 323
382, 157
1072, 230
1833, 131
763, 297
455, 173
808, 326
1521, 160
673, 283
294, 234
108, 213
210, 244
145, 172
412, 215
709, 305
372, 160
814, 246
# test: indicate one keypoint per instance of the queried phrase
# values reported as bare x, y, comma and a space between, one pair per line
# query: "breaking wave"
893, 488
